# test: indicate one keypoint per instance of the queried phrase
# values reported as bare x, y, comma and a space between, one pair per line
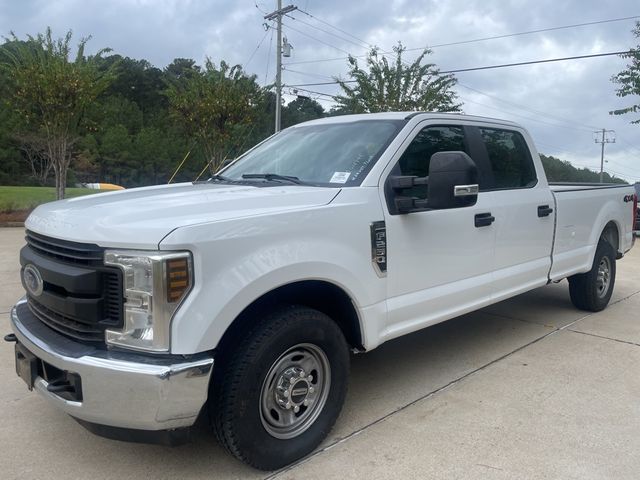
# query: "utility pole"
603, 136
277, 14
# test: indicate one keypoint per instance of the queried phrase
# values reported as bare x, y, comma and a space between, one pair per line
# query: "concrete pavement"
527, 388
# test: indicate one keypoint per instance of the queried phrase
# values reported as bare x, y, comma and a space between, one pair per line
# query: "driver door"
439, 262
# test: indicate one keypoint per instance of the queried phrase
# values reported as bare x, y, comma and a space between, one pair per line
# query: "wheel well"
320, 295
611, 235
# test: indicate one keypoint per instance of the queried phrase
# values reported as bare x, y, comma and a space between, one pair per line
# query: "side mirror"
453, 180
452, 183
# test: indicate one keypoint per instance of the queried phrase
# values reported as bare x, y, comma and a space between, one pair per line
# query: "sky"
560, 103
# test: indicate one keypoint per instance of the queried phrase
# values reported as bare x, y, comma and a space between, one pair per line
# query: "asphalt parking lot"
530, 388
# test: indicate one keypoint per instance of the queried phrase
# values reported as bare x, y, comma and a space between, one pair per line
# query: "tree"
20, 151
182, 68
629, 79
300, 110
396, 86
117, 161
34, 150
138, 82
52, 93
562, 171
215, 107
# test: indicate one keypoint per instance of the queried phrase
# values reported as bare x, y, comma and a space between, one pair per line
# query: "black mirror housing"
453, 180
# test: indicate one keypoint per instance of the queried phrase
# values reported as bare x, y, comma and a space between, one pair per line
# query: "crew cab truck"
242, 296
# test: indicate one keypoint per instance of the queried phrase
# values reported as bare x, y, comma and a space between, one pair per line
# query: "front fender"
237, 262
268, 282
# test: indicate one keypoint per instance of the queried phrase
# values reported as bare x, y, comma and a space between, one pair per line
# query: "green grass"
27, 198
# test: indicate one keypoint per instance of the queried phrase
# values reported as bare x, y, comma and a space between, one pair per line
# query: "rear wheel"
592, 290
281, 389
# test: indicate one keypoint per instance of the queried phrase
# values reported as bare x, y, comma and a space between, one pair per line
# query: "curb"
11, 224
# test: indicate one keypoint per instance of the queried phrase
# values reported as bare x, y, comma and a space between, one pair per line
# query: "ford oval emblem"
32, 280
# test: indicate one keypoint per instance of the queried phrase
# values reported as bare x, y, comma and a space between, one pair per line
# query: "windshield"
335, 154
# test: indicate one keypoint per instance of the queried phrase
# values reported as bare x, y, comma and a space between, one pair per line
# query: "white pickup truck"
241, 297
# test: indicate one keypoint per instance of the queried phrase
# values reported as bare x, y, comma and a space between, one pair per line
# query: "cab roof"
406, 116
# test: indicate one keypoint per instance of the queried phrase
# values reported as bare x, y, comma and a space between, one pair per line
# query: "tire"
247, 399
592, 291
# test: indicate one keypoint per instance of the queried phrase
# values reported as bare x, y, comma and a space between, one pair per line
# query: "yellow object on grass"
102, 186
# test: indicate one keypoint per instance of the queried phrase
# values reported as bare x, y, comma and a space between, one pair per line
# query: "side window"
509, 157
415, 159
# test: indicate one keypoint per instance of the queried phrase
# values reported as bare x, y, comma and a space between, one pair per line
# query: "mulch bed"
14, 218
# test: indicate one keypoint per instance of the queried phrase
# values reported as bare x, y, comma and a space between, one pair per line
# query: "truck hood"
142, 217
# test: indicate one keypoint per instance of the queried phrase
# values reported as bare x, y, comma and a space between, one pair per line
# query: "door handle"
484, 219
544, 210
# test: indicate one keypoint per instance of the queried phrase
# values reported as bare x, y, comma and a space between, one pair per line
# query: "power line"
636, 150
634, 170
568, 124
488, 67
532, 110
554, 147
264, 12
327, 32
549, 60
532, 119
330, 99
529, 32
256, 49
310, 91
307, 73
266, 74
483, 39
314, 38
631, 177
335, 28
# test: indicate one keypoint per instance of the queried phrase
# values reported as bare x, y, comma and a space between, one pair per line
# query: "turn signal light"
177, 279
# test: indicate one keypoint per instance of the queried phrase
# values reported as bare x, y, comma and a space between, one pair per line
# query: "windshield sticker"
340, 177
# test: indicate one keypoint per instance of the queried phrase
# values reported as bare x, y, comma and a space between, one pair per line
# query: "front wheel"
281, 389
592, 290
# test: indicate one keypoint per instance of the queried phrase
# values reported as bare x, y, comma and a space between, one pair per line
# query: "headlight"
154, 285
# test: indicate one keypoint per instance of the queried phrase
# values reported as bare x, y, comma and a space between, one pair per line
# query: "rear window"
510, 159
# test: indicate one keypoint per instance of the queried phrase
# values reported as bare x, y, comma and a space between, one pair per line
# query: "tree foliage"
629, 79
215, 106
562, 171
302, 109
395, 85
51, 92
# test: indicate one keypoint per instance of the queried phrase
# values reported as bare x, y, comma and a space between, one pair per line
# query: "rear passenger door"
523, 210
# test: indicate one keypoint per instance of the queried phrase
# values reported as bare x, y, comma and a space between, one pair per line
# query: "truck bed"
583, 210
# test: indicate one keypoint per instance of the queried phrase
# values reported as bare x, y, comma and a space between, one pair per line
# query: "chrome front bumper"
124, 390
